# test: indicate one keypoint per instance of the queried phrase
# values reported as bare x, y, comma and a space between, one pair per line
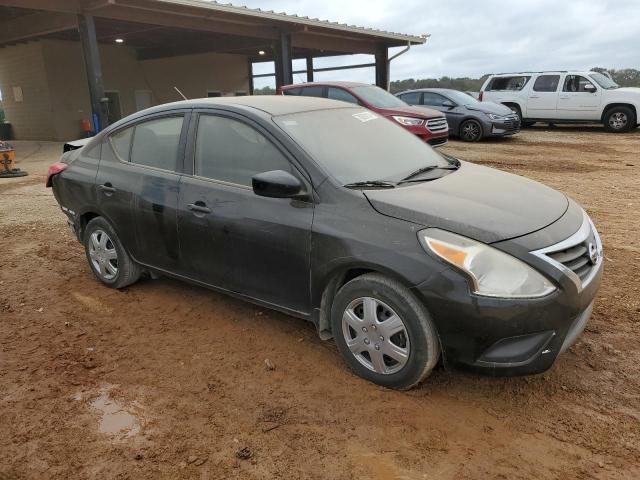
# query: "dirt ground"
168, 380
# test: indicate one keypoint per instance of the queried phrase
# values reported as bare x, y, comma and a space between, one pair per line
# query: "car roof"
328, 84
431, 89
271, 104
559, 72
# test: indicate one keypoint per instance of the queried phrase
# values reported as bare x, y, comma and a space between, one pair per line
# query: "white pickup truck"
565, 97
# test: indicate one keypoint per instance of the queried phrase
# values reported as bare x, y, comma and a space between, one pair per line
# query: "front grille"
580, 254
437, 125
512, 123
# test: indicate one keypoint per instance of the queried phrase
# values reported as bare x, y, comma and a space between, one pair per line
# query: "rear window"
508, 83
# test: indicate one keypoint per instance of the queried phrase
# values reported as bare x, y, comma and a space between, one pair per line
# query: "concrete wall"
22, 66
56, 96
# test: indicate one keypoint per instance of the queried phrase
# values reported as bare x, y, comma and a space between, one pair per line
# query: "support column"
91, 55
284, 65
250, 77
382, 67
309, 68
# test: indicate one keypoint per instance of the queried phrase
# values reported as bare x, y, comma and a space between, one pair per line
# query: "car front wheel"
619, 119
108, 259
383, 332
471, 131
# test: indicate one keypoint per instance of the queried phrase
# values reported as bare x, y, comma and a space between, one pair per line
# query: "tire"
525, 124
108, 259
471, 131
412, 338
619, 119
515, 109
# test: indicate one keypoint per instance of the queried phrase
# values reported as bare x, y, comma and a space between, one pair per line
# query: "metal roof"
297, 19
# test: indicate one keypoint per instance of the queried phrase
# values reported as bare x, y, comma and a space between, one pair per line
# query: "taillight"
481, 95
54, 170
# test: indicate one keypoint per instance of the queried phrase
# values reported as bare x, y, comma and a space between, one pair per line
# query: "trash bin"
6, 132
7, 162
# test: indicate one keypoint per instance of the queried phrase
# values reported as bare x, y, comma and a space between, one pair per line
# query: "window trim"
190, 154
186, 120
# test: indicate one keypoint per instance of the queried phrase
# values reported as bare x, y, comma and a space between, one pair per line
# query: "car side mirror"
589, 88
277, 184
448, 104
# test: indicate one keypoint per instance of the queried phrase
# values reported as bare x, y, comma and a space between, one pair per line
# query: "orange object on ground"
7, 162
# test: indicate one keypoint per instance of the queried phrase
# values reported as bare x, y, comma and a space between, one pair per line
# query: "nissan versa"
328, 212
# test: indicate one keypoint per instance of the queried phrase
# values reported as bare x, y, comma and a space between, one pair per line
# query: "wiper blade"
370, 183
422, 170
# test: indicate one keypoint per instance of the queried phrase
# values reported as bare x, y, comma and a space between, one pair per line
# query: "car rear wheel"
470, 131
383, 332
108, 259
619, 119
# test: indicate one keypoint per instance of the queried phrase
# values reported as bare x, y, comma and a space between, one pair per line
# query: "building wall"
56, 97
22, 67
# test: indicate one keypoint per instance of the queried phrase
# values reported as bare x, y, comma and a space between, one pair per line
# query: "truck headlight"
409, 121
491, 272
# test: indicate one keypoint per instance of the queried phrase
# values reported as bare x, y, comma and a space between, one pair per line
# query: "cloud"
473, 38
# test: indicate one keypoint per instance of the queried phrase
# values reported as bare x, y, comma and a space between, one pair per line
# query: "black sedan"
468, 118
330, 213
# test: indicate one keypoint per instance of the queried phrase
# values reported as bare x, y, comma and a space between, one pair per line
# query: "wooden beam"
35, 25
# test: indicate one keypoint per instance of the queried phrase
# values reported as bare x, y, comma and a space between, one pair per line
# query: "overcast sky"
471, 38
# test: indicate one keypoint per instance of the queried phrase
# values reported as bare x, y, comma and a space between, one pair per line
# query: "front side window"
156, 142
121, 143
546, 83
231, 151
576, 83
342, 95
433, 99
412, 98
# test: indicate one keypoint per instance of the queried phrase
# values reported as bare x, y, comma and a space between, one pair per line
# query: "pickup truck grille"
437, 125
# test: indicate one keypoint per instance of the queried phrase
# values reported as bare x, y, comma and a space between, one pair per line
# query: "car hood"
490, 107
409, 111
632, 90
475, 201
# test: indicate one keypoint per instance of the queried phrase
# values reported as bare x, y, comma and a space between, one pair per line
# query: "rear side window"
156, 142
312, 92
231, 151
546, 83
291, 91
121, 143
508, 83
342, 95
412, 98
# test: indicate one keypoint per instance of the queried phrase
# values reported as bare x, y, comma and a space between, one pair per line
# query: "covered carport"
163, 29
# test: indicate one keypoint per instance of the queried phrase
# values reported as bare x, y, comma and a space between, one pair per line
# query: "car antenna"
180, 93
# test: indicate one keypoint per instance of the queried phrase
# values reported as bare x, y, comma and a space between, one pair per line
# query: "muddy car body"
292, 203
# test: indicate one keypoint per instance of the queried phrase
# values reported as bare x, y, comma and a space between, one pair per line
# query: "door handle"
199, 207
534, 96
107, 188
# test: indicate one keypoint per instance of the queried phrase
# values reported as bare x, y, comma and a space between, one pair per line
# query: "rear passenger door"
543, 97
231, 238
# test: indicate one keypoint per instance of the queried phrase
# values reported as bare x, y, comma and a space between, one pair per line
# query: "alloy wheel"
376, 336
618, 120
471, 131
103, 254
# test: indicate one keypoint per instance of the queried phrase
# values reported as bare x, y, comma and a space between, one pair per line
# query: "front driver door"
579, 99
232, 238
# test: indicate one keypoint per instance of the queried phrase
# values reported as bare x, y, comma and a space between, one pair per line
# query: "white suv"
565, 97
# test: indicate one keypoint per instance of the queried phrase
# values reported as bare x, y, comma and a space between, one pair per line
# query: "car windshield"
378, 97
604, 81
460, 98
356, 145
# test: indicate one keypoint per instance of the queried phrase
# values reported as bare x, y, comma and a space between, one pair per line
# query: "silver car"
468, 118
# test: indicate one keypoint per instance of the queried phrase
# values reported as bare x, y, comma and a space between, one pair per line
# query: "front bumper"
503, 128
506, 337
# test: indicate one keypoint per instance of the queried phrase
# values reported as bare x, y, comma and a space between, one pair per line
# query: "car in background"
468, 118
430, 125
328, 212
566, 97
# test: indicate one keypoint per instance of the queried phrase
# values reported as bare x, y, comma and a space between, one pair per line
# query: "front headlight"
493, 116
491, 272
409, 121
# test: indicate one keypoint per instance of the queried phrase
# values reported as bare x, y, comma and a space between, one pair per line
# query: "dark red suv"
429, 125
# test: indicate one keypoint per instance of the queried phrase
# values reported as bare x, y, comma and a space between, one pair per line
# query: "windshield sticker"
365, 116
